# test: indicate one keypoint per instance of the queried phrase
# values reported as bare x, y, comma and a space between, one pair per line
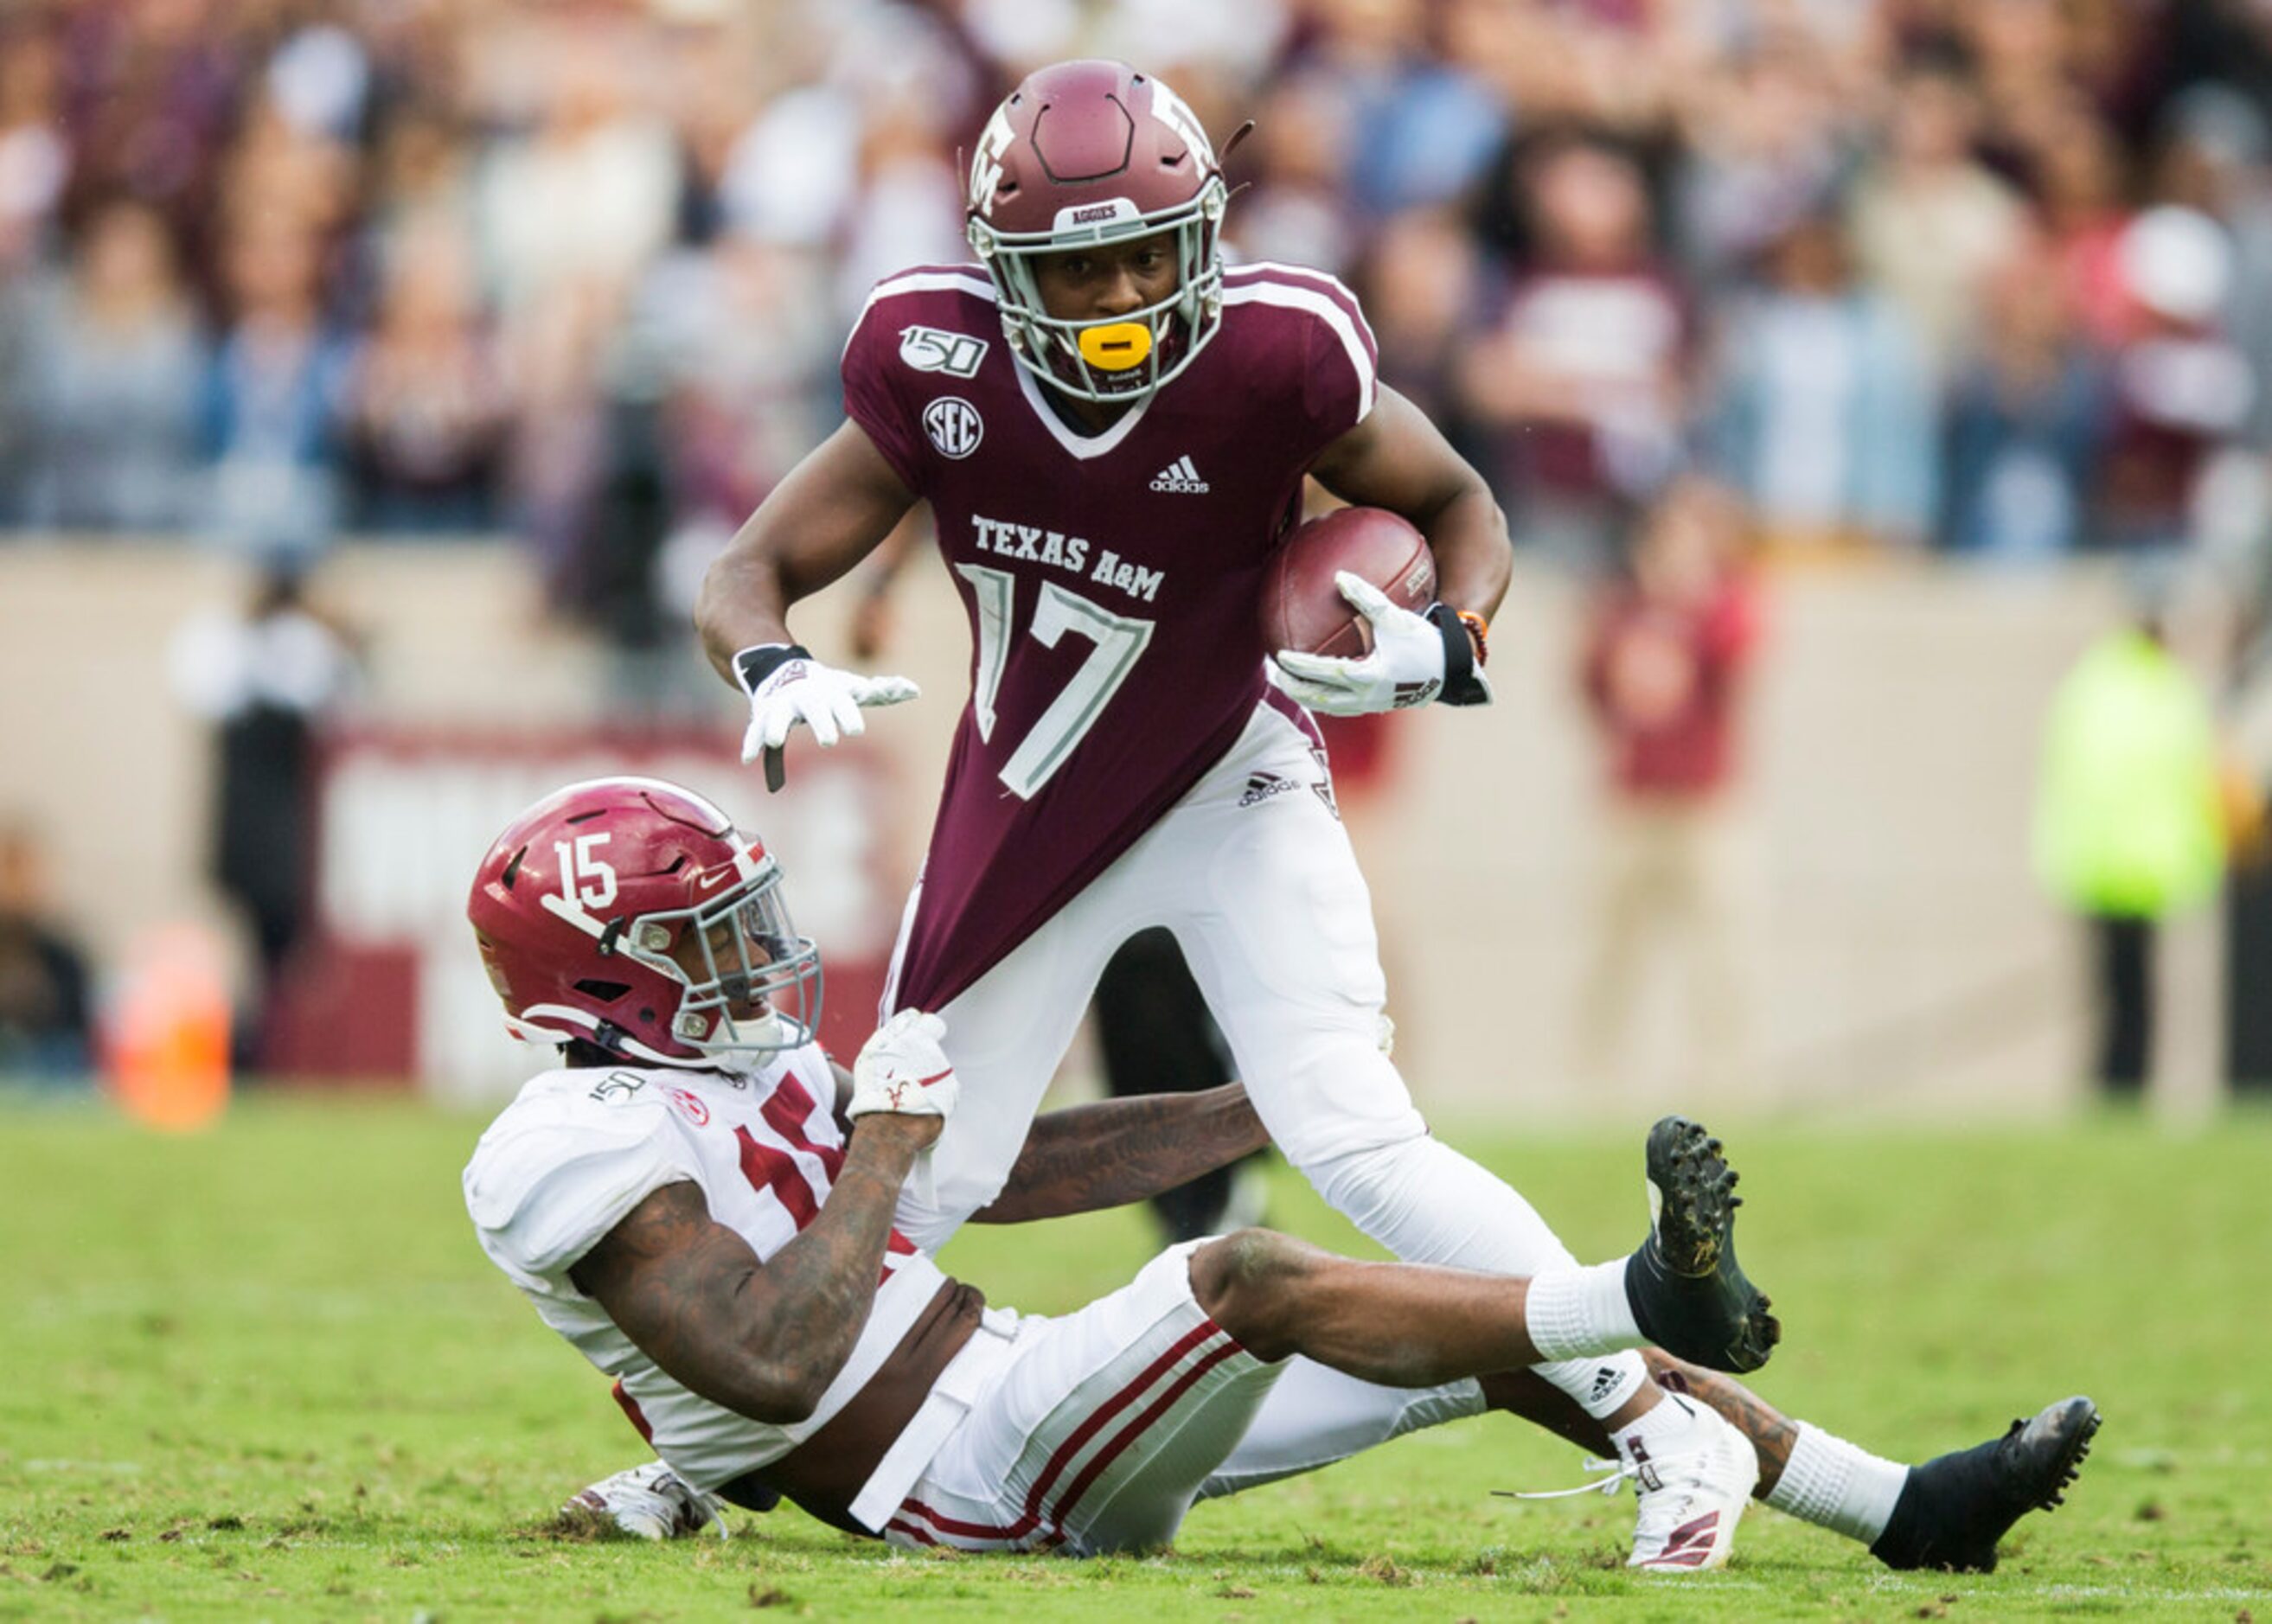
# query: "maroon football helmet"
586, 905
1085, 153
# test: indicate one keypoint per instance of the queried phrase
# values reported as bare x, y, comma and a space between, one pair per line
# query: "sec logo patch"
690, 1106
954, 425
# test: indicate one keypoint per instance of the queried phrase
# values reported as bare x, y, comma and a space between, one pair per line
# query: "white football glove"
902, 1070
787, 685
1406, 666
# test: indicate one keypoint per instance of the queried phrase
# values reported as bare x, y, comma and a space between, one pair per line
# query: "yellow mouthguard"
1115, 346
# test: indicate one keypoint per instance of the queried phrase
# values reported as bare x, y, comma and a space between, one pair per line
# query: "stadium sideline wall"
1900, 952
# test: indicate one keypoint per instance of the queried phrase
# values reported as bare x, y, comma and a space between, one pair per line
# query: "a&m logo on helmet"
1172, 110
986, 164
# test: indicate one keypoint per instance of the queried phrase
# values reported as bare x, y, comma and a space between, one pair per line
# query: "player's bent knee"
1363, 1151
1250, 1283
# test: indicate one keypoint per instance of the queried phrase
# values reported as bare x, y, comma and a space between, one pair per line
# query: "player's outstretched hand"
902, 1070
787, 685
1406, 667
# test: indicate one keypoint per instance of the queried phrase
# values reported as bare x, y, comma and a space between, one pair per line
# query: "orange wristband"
1479, 631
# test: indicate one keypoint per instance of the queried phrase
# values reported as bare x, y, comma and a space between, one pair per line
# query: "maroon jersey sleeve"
871, 398
1338, 358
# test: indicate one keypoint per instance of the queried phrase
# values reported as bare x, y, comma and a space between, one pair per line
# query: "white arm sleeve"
554, 1174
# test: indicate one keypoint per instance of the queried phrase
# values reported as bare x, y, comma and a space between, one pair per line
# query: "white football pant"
1253, 873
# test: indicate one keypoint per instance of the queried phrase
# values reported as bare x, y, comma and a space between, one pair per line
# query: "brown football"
1302, 609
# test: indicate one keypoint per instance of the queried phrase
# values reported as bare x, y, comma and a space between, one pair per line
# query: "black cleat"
1955, 1507
1688, 1293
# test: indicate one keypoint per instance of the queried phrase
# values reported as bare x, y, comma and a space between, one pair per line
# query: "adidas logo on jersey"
1262, 786
1180, 478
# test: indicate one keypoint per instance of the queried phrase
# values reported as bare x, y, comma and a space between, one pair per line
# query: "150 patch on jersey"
933, 349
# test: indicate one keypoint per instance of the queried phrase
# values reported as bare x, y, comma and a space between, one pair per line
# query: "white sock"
1833, 1484
1574, 1313
1661, 1426
1601, 1386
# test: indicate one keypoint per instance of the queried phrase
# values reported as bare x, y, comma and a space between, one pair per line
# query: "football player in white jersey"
702, 1204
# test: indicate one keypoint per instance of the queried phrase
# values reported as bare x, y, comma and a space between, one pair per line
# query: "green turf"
266, 1373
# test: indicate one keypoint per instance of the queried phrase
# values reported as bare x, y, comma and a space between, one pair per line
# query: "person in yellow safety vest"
2130, 824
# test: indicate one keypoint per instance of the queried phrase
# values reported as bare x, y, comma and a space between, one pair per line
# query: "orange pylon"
167, 1054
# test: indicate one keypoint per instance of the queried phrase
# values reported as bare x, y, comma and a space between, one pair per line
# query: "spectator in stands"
1300, 210
274, 396
748, 376
558, 437
153, 92
318, 81
570, 216
1930, 223
34, 164
35, 154
2027, 96
281, 176
713, 102
2129, 819
908, 209
110, 381
2082, 193
589, 195
424, 405
1581, 383
1430, 124
2218, 160
422, 176
1766, 142
2181, 390
1824, 415
2027, 419
46, 1003
1663, 675
1422, 281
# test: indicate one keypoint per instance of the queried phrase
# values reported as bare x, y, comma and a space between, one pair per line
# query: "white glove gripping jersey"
577, 1149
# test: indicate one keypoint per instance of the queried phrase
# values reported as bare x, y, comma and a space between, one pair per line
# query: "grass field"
266, 1373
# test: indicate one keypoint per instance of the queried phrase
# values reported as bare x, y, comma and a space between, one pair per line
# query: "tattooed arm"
1118, 1151
762, 1338
1771, 1431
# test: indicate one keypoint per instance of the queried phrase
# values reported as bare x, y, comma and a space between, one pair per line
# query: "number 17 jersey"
1112, 580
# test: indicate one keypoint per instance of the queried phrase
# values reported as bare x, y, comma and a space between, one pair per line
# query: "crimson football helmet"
1087, 153
593, 909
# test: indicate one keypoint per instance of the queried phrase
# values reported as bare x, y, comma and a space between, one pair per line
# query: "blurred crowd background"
1984, 276
1711, 289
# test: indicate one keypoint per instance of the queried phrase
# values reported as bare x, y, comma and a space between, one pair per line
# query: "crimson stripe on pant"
1034, 1516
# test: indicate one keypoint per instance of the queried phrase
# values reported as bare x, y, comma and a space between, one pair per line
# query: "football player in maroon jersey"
1112, 429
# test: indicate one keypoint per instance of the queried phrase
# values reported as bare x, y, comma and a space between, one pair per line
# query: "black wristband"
1461, 684
754, 666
